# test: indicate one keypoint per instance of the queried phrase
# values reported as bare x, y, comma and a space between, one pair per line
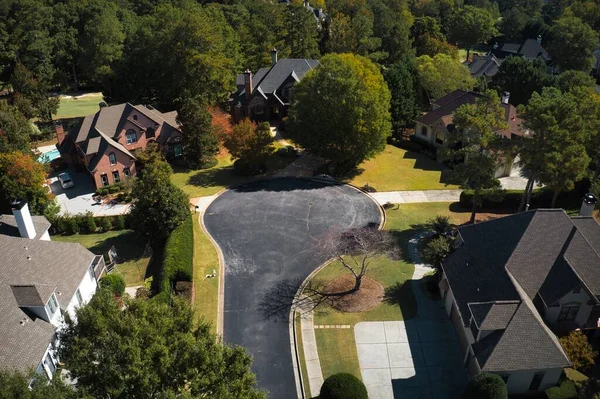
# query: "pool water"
49, 156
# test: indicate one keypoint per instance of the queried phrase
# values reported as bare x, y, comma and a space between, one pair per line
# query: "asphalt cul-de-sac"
267, 231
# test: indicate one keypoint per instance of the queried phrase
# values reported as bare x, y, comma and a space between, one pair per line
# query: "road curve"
267, 231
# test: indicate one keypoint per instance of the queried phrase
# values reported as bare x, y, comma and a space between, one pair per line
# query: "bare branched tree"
356, 248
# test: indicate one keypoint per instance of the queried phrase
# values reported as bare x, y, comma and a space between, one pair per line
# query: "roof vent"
22, 322
29, 258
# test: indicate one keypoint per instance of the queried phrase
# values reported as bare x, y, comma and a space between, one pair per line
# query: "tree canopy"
521, 78
149, 349
200, 141
249, 143
441, 75
357, 99
470, 25
572, 43
405, 87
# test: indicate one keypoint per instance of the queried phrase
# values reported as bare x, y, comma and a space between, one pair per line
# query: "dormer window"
51, 306
112, 158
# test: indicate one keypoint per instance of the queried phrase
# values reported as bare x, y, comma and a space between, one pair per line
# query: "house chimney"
274, 56
505, 97
248, 83
23, 218
588, 204
538, 39
60, 132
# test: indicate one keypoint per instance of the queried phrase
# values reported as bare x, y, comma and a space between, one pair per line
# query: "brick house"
104, 144
511, 283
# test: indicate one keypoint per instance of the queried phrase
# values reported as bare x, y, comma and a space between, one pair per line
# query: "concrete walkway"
311, 354
406, 197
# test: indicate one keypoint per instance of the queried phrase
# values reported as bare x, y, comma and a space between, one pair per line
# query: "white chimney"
538, 39
20, 210
505, 97
588, 205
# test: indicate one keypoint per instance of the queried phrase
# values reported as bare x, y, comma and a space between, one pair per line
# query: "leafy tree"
343, 386
436, 250
429, 39
587, 11
556, 153
513, 23
440, 225
579, 350
350, 31
480, 147
568, 80
31, 94
521, 78
200, 141
572, 43
159, 206
403, 81
302, 34
21, 177
15, 129
441, 75
16, 385
486, 386
150, 349
249, 143
358, 120
470, 25
114, 283
391, 23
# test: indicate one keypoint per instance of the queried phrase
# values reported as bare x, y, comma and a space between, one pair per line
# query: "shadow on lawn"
423, 162
402, 295
214, 177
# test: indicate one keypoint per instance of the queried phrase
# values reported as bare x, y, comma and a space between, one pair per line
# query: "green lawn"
206, 289
396, 169
204, 182
78, 106
337, 348
129, 247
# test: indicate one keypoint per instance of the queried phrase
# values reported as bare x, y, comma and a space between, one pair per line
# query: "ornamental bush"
343, 386
114, 283
486, 386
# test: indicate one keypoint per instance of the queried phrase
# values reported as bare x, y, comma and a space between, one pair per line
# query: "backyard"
336, 346
396, 169
130, 249
78, 105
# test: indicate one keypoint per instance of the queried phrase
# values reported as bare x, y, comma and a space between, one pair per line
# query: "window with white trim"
131, 136
112, 158
79, 298
104, 179
116, 177
51, 305
92, 273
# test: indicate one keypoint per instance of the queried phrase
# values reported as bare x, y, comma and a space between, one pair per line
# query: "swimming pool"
49, 156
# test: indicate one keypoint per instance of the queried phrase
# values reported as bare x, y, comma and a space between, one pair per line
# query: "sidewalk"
405, 197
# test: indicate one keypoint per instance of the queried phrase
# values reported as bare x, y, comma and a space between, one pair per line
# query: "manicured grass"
78, 106
337, 348
206, 289
204, 182
337, 352
575, 375
300, 348
129, 247
396, 169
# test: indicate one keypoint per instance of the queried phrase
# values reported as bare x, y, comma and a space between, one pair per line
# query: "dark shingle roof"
274, 77
9, 227
32, 294
484, 65
42, 264
520, 258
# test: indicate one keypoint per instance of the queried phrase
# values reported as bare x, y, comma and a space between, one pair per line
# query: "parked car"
65, 180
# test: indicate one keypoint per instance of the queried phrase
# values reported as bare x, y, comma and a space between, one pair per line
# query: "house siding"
519, 381
87, 288
104, 167
552, 313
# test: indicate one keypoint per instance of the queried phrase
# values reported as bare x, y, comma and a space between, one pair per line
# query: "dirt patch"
369, 295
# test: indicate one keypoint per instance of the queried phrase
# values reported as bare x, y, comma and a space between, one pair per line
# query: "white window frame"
79, 297
104, 179
131, 136
112, 158
116, 176
51, 305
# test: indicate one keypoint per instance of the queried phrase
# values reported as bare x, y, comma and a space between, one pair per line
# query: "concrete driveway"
267, 231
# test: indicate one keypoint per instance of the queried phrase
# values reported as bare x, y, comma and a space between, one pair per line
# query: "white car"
65, 180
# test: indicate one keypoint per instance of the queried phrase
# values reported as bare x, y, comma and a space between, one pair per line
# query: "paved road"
267, 231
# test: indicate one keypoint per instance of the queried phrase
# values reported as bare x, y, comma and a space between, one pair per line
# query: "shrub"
368, 189
440, 224
102, 191
244, 168
579, 350
486, 386
343, 386
113, 189
436, 250
71, 225
88, 223
113, 282
291, 150
119, 222
283, 151
178, 255
566, 390
60, 225
388, 205
105, 224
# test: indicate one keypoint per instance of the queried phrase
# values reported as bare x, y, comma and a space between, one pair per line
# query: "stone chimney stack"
60, 132
505, 97
588, 204
248, 83
274, 56
20, 210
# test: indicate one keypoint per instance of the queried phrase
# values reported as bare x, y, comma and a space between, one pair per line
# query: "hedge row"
112, 189
178, 256
541, 198
88, 224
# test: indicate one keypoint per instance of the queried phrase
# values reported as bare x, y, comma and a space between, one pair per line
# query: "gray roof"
47, 266
519, 258
32, 294
529, 49
484, 65
282, 70
8, 226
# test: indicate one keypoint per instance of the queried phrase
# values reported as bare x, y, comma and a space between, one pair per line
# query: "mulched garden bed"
369, 295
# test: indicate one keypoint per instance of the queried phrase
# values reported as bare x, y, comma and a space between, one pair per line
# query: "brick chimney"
60, 132
248, 83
